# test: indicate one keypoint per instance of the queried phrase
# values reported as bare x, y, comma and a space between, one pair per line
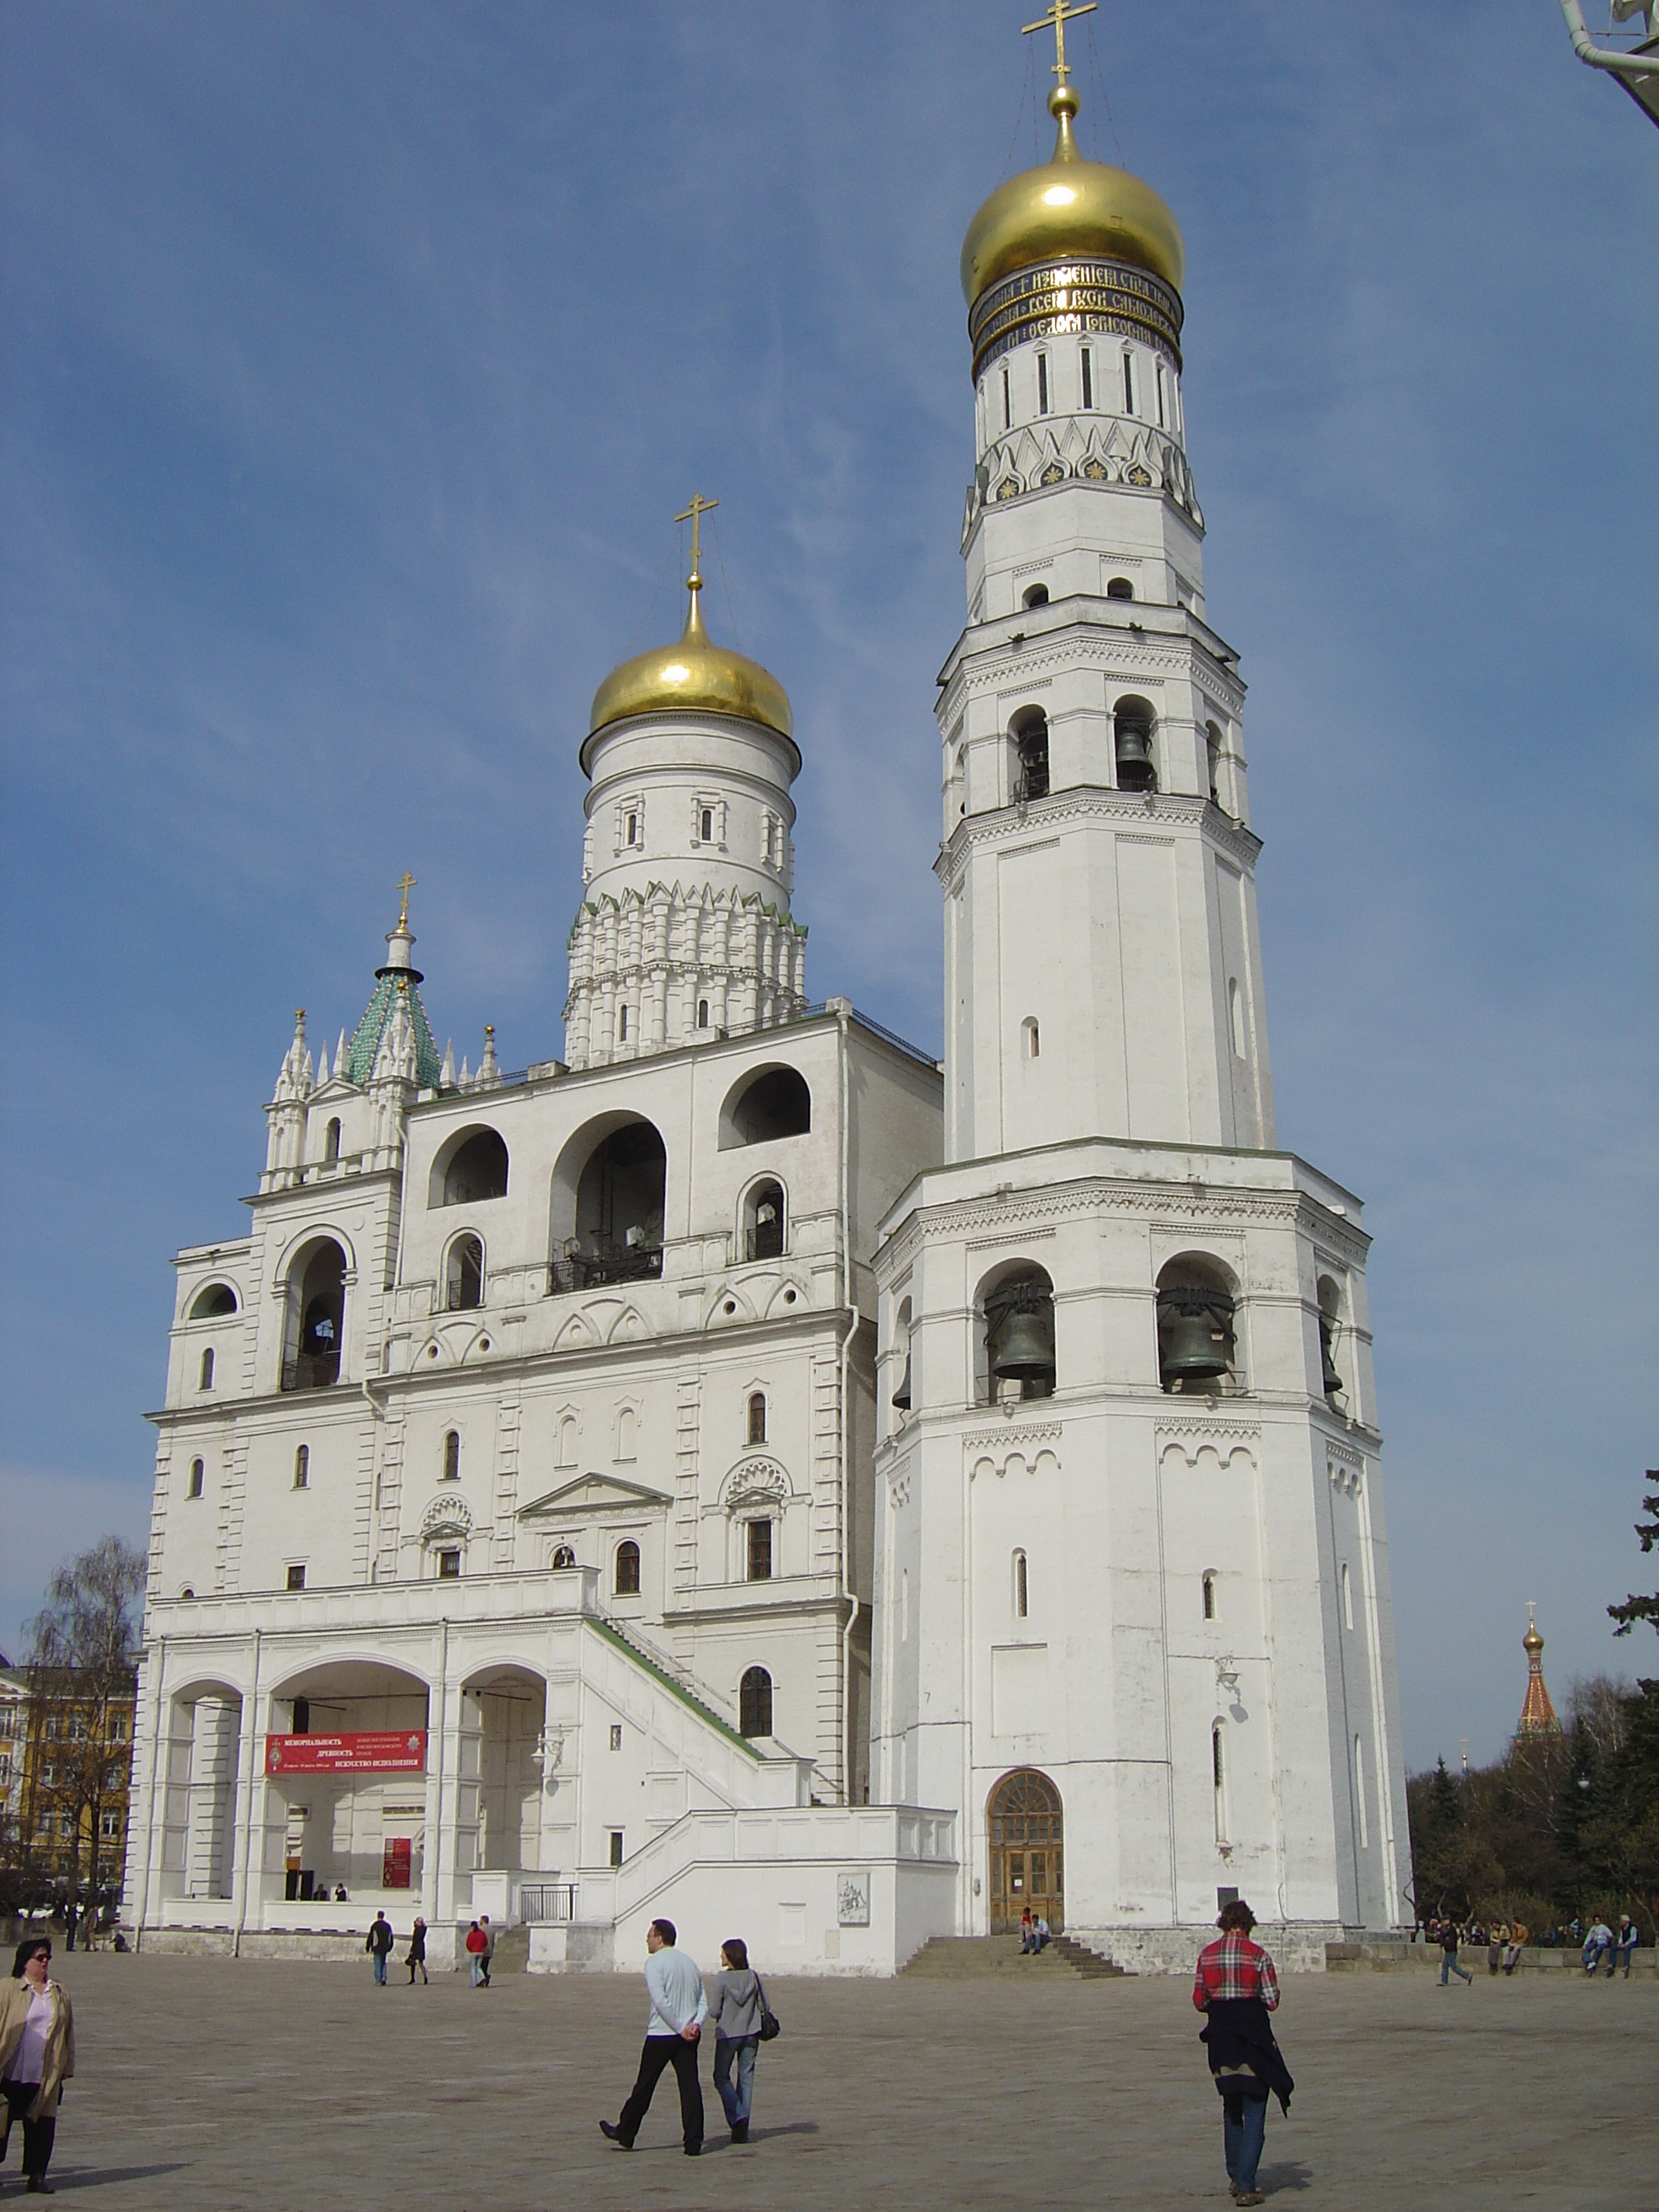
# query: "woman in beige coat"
37, 2055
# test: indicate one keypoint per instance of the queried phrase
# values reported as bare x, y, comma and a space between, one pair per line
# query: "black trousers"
661, 2052
38, 2134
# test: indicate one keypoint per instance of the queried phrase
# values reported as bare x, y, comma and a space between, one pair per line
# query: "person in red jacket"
476, 1944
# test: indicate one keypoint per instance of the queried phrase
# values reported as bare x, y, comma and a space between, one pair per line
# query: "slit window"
1236, 1016
331, 1141
1022, 1587
1347, 1596
622, 1026
302, 1468
757, 1550
631, 829
1088, 377
1128, 384
1042, 384
1209, 1597
1359, 1793
1162, 424
1007, 404
615, 1847
705, 826
702, 1013
1030, 1034
197, 1477
1219, 1782
452, 1456
207, 1369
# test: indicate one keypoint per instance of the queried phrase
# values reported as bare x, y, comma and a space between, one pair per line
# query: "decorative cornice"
1132, 811
1096, 1194
1045, 1432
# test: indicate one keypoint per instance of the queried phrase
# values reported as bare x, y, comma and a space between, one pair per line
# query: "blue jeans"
1244, 2129
380, 1968
743, 2048
1449, 1965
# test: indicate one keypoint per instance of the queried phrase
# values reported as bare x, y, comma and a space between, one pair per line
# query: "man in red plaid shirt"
1236, 1988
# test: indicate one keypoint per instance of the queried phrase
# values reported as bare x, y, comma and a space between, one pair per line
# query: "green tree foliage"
1642, 1608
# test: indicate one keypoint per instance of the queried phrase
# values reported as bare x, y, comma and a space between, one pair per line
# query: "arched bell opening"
609, 1205
761, 1108
1331, 1381
763, 1221
1197, 1341
1132, 723
315, 1321
1014, 1351
1024, 1824
470, 1171
899, 1361
1029, 734
464, 1274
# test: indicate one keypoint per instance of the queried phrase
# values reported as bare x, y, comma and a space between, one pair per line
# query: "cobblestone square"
208, 2084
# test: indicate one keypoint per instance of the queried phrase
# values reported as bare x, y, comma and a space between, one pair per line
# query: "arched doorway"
1024, 1817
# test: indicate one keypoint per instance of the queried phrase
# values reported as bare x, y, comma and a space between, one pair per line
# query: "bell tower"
1133, 1617
1103, 970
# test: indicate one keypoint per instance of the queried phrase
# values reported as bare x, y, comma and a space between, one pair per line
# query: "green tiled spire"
398, 977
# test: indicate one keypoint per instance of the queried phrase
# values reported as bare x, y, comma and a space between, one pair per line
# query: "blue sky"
354, 359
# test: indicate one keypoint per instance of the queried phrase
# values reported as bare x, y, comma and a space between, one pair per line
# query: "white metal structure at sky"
1637, 69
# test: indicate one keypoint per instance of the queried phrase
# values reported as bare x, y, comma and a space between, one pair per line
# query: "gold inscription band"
1072, 297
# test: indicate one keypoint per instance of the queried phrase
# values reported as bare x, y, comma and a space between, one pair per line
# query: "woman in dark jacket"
736, 2002
417, 1950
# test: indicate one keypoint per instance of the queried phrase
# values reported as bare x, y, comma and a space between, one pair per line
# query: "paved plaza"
205, 2083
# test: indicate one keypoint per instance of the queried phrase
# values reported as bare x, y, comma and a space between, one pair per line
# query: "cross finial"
694, 515
406, 884
1061, 13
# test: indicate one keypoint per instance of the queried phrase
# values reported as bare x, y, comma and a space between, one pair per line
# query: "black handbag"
771, 2026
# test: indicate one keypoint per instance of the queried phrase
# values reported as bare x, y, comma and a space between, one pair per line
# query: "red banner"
373, 1751
395, 1863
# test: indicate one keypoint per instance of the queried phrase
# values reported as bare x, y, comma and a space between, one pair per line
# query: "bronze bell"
1134, 760
901, 1396
1330, 1374
1025, 1350
1193, 1349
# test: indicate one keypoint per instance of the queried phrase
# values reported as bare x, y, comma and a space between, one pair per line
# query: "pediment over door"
592, 1493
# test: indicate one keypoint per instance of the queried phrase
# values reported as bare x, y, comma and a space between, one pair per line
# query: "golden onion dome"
696, 675
1070, 209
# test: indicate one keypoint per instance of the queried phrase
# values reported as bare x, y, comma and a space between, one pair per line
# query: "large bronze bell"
1194, 1350
1330, 1374
1024, 1350
1134, 760
901, 1396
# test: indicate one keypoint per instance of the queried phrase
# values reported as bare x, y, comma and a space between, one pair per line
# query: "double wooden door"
1026, 1851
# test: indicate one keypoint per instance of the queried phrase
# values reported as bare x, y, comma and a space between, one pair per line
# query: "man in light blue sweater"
678, 2009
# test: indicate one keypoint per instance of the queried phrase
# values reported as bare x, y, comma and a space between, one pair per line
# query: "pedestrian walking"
417, 1953
36, 2056
1625, 1943
1237, 1987
1448, 1965
674, 2023
476, 1944
737, 2005
489, 1951
378, 1943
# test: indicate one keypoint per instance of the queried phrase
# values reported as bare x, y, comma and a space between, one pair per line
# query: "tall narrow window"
631, 829
626, 1581
1212, 751
1209, 1597
705, 826
755, 1703
1042, 384
702, 1013
302, 1468
198, 1477
331, 1141
1022, 1587
622, 1026
1007, 404
758, 1418
626, 1420
1088, 377
616, 1835
1347, 1597
1128, 384
1030, 1035
758, 1550
904, 1605
452, 1456
1359, 1795
1236, 1016
1218, 1777
1162, 424
207, 1369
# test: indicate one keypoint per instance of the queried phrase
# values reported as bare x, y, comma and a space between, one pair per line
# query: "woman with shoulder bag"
37, 2055
742, 2020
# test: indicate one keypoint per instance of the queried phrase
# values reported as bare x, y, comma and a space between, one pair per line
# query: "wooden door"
1026, 1851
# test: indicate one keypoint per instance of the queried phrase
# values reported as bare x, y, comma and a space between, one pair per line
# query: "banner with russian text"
371, 1750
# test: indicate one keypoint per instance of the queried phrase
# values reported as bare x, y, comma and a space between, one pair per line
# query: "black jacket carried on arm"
1238, 2033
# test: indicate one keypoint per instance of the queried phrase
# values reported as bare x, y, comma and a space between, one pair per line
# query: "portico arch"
1023, 1821
199, 1791
498, 1814
350, 1816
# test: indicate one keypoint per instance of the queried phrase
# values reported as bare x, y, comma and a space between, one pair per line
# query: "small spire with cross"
1059, 13
694, 515
406, 884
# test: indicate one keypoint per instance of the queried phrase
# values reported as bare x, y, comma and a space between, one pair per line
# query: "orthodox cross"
694, 515
406, 884
1059, 13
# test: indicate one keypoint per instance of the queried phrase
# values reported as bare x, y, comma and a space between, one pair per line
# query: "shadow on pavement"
98, 2177
1292, 2174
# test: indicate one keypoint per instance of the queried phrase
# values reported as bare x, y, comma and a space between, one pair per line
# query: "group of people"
1600, 1944
1033, 1930
680, 2008
1505, 1940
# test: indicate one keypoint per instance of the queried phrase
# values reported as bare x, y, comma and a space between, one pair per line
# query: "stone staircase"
973, 1958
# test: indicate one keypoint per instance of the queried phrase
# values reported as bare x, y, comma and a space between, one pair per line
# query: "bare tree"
81, 1675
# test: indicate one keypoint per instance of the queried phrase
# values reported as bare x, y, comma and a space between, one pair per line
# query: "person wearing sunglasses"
37, 2055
